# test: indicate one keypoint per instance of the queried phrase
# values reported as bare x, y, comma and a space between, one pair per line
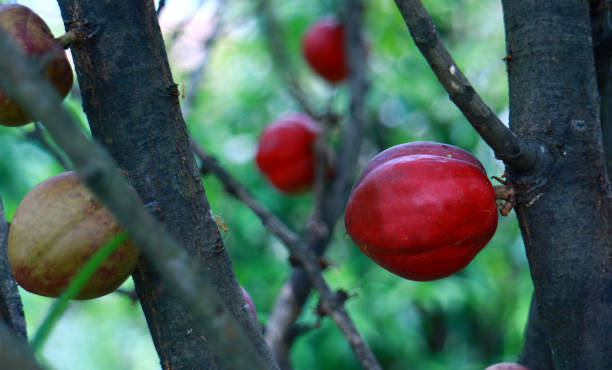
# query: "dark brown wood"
11, 310
601, 28
504, 143
22, 79
564, 203
132, 105
536, 351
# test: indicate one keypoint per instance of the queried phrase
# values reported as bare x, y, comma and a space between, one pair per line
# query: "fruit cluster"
285, 151
421, 210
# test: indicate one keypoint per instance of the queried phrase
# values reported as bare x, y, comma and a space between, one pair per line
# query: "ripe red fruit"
56, 228
35, 38
323, 48
285, 153
422, 210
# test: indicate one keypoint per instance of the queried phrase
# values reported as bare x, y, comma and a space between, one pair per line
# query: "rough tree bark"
601, 26
11, 310
565, 203
132, 105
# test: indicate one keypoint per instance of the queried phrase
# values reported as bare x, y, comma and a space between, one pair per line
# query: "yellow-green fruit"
57, 227
35, 38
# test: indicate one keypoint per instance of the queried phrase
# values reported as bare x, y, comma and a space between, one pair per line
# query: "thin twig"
23, 82
331, 301
39, 136
310, 262
294, 292
160, 6
235, 188
274, 36
504, 143
198, 73
11, 309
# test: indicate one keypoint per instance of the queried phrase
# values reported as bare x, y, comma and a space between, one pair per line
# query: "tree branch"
601, 29
332, 301
554, 102
198, 73
24, 83
294, 292
140, 122
536, 351
160, 6
235, 188
38, 135
11, 310
274, 35
14, 352
503, 142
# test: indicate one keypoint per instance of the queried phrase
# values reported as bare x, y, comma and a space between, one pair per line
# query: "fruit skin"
249, 301
56, 228
422, 210
507, 366
285, 152
323, 48
35, 38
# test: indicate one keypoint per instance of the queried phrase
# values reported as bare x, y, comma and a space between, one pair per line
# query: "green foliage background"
466, 321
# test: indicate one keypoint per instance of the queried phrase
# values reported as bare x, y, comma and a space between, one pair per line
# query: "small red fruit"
323, 48
285, 153
57, 227
422, 210
35, 38
249, 301
507, 366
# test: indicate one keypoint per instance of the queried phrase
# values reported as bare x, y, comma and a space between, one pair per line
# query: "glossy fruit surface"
55, 230
285, 152
323, 48
35, 38
422, 210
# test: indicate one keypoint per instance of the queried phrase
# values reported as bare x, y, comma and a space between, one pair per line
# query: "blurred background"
467, 321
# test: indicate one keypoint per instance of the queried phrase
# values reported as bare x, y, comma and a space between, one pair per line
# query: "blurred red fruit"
285, 153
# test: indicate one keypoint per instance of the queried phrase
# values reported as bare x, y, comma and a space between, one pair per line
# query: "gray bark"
564, 205
132, 105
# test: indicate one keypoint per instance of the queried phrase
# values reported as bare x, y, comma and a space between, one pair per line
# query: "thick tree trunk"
565, 203
132, 105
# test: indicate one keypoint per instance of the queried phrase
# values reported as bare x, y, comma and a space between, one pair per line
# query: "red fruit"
285, 153
249, 302
507, 366
422, 210
323, 48
35, 38
57, 227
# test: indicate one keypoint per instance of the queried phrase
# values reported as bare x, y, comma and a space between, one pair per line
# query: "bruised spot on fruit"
433, 213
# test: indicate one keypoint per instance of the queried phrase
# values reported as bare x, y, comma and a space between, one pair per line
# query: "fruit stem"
68, 38
505, 193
